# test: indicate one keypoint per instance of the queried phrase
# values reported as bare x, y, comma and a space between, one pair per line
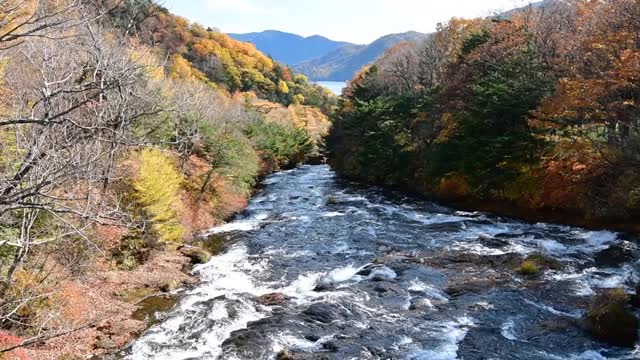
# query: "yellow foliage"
298, 99
181, 69
156, 190
25, 285
283, 87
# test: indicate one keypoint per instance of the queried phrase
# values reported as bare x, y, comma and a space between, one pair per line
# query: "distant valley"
320, 58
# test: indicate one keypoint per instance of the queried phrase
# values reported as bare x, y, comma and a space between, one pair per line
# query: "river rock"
493, 242
610, 321
388, 288
272, 299
324, 313
196, 255
613, 257
106, 343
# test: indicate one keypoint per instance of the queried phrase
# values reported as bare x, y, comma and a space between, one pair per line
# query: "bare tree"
73, 97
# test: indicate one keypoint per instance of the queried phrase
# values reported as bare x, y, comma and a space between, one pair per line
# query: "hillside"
225, 63
343, 63
535, 116
290, 48
126, 131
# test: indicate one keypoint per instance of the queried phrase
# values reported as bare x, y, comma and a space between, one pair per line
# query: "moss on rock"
197, 255
610, 320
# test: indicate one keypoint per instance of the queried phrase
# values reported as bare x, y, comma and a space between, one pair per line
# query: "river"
364, 273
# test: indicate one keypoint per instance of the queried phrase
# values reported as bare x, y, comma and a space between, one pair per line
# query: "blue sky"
359, 21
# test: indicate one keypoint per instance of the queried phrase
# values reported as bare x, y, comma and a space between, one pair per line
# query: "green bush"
133, 251
280, 146
231, 154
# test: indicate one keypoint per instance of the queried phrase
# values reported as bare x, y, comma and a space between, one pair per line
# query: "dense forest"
532, 112
125, 130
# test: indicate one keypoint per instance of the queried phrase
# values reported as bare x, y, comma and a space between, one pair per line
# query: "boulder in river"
272, 299
324, 313
635, 299
610, 320
197, 255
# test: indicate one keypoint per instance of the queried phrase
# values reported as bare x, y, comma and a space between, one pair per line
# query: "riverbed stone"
610, 320
324, 313
635, 299
196, 255
272, 299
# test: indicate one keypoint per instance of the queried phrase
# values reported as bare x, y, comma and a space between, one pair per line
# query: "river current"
364, 273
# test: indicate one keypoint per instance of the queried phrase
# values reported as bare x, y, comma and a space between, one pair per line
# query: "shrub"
133, 251
528, 268
231, 155
280, 146
26, 299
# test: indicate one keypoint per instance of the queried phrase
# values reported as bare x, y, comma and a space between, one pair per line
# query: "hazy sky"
359, 21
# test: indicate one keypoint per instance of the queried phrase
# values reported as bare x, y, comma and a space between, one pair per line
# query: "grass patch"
545, 261
528, 268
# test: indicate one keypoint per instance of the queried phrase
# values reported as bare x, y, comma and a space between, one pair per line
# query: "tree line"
537, 108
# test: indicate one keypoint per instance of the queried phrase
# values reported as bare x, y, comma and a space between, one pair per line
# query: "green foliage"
495, 137
475, 40
544, 261
156, 189
280, 146
133, 250
528, 268
381, 131
425, 136
231, 154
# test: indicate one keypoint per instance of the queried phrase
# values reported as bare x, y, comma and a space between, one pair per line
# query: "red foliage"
7, 340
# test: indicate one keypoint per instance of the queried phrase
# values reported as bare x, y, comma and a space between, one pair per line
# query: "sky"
357, 21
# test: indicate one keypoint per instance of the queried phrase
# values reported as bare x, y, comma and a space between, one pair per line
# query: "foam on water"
452, 333
429, 291
226, 275
574, 314
507, 329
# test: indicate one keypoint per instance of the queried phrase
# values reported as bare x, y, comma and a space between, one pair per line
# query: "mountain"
343, 63
290, 48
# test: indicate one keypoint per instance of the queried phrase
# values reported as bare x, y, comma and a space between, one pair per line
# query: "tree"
74, 94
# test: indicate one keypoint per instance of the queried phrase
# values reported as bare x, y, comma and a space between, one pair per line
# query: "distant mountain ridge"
319, 58
343, 63
290, 48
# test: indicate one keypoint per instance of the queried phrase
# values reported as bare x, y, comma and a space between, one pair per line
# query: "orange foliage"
453, 186
568, 171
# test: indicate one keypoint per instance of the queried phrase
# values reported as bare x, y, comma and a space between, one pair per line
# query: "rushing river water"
369, 274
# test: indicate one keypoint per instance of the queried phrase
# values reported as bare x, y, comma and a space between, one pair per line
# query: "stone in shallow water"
610, 321
272, 299
324, 313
